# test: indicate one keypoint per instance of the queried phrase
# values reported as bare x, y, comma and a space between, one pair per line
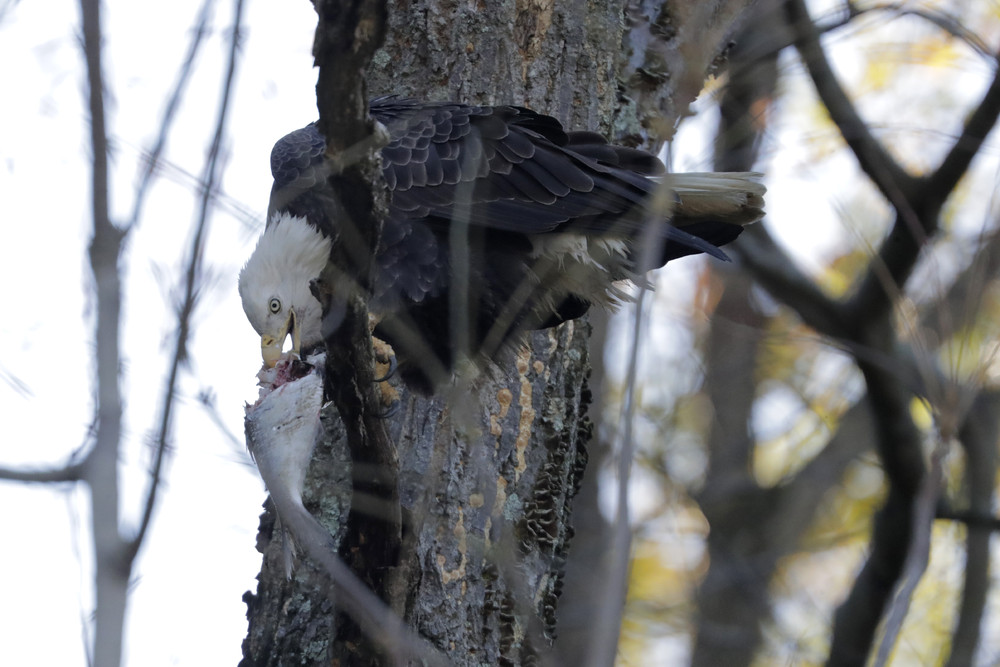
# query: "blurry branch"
936, 188
614, 585
744, 543
15, 383
169, 112
112, 561
973, 519
797, 504
70, 473
212, 174
863, 324
777, 272
887, 175
898, 443
979, 437
917, 217
206, 398
347, 35
917, 556
918, 203
778, 37
6, 6
946, 22
898, 254
954, 310
168, 170
732, 598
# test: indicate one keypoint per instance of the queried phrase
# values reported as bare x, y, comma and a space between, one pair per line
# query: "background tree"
788, 431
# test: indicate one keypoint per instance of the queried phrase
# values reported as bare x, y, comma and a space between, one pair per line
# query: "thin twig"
955, 309
969, 518
773, 268
880, 167
212, 174
615, 584
70, 473
206, 397
152, 158
916, 558
979, 440
956, 163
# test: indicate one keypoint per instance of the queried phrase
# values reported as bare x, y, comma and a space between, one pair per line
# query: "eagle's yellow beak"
270, 346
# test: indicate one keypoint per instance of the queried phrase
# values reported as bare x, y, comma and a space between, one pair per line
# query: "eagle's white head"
274, 285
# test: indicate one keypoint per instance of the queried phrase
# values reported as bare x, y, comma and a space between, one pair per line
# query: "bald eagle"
500, 222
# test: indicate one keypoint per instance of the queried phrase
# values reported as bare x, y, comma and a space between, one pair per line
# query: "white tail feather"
734, 197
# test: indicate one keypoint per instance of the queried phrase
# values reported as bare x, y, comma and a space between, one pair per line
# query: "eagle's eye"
274, 305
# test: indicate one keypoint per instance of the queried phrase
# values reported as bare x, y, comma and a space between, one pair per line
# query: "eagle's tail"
735, 198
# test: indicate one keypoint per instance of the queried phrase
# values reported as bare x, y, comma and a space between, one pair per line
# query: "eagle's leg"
385, 368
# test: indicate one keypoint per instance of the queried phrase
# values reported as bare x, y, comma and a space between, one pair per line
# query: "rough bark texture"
489, 510
488, 467
559, 58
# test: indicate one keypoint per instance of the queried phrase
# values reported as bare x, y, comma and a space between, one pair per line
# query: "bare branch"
936, 188
969, 518
206, 397
346, 37
918, 205
916, 558
152, 159
949, 23
954, 309
776, 271
900, 538
101, 464
614, 582
880, 167
347, 34
979, 438
70, 473
15, 383
740, 551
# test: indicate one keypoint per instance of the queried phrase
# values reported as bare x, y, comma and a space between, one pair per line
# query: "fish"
281, 429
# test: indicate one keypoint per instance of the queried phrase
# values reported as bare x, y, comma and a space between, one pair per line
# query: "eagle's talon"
391, 371
389, 411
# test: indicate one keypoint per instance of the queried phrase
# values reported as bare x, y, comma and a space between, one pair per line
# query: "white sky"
199, 559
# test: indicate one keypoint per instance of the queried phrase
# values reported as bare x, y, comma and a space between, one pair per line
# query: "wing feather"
510, 169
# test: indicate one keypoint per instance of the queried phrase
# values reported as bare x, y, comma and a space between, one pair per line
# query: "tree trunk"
488, 467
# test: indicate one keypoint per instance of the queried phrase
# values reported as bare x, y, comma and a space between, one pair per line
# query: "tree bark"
487, 467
